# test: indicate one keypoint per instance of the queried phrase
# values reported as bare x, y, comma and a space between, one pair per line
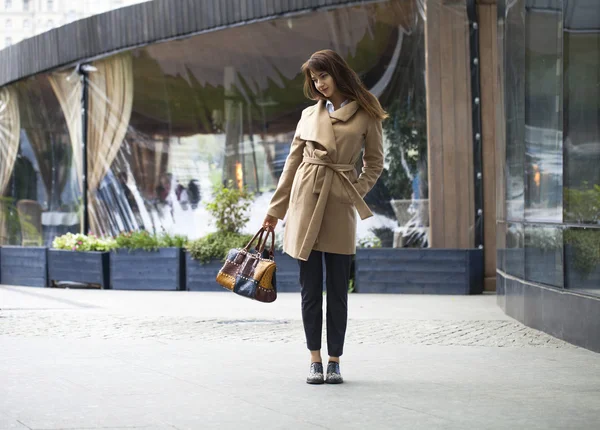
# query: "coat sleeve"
372, 158
281, 199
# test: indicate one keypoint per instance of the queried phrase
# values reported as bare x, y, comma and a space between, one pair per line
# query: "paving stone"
414, 332
154, 360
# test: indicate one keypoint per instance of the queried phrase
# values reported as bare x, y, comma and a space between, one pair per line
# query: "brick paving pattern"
495, 333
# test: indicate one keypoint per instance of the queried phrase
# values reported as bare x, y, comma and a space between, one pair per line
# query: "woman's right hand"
270, 222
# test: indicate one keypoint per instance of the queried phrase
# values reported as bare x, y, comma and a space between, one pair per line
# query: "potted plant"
19, 265
24, 266
419, 271
206, 255
80, 258
146, 261
288, 270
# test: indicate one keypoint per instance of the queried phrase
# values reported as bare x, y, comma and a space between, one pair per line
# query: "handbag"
251, 273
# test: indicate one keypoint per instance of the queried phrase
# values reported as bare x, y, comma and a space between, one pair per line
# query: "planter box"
147, 270
24, 266
288, 273
202, 277
419, 271
83, 267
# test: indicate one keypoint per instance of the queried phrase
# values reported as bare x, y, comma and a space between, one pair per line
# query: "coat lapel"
345, 112
317, 128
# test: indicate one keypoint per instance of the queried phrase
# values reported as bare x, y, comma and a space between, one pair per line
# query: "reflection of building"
176, 108
167, 121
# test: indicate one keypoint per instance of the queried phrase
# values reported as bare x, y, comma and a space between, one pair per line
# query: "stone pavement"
91, 359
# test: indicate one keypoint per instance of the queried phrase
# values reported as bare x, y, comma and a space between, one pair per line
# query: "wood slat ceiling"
139, 25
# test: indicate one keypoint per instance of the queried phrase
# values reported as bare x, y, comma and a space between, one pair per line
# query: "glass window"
514, 94
50, 5
560, 44
41, 197
7, 4
188, 115
8, 24
8, 41
582, 117
582, 259
50, 24
582, 146
543, 112
26, 23
514, 258
26, 5
544, 255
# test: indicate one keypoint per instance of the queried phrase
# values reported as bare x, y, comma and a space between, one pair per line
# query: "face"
324, 83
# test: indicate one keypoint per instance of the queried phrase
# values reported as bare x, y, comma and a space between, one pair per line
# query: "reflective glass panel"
582, 115
169, 122
514, 259
543, 112
544, 255
39, 187
514, 93
582, 259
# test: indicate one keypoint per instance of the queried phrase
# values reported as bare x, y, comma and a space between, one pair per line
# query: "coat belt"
325, 176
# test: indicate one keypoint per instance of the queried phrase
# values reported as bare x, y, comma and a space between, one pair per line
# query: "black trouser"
311, 279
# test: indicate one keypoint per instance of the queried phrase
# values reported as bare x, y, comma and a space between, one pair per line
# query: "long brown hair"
346, 80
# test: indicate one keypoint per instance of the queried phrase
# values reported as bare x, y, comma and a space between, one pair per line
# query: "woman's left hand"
270, 222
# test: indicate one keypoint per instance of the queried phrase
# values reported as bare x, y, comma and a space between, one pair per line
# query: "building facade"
489, 147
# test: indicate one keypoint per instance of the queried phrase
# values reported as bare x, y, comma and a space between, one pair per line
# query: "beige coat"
319, 183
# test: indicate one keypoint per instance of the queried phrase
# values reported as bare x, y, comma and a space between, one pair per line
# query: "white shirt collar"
331, 108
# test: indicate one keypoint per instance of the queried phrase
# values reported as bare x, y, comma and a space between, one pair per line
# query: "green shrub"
586, 248
582, 205
167, 240
230, 208
369, 242
215, 246
137, 240
82, 242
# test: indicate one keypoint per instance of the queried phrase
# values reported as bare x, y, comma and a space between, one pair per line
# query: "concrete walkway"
90, 359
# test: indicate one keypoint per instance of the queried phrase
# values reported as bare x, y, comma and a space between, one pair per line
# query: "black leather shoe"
315, 374
333, 373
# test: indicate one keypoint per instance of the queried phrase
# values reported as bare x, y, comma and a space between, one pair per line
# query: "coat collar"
345, 112
317, 126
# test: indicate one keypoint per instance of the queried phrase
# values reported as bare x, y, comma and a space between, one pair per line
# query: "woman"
320, 192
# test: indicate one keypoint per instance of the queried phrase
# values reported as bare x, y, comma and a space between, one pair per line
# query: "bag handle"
260, 246
272, 248
258, 233
260, 240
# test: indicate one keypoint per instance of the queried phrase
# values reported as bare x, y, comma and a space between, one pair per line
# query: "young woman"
320, 192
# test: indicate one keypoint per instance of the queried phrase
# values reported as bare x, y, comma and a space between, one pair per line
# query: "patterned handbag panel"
247, 274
